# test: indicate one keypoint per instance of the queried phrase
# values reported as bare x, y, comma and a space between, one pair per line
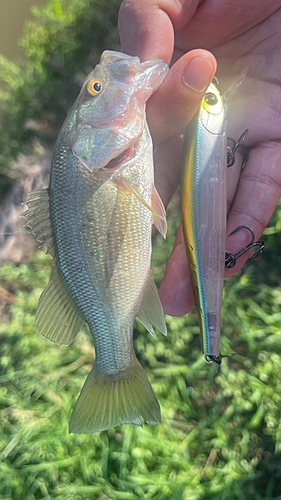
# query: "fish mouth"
116, 162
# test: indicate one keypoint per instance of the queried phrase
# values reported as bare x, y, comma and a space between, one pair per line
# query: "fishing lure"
203, 210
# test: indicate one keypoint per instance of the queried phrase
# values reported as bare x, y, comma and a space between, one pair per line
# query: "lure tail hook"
209, 358
218, 359
231, 151
230, 259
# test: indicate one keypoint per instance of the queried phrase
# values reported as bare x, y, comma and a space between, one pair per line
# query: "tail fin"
107, 401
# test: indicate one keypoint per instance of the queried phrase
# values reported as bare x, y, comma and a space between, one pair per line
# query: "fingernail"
198, 72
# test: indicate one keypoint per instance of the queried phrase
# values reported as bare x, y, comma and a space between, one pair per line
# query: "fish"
204, 210
95, 221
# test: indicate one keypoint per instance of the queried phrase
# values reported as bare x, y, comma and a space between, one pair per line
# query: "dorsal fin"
56, 317
38, 219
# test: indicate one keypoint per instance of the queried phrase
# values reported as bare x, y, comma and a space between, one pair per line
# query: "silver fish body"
97, 213
91, 231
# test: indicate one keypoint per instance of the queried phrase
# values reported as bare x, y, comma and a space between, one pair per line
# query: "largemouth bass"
95, 220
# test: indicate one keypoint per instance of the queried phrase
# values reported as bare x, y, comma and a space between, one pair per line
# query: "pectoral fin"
157, 208
159, 214
151, 311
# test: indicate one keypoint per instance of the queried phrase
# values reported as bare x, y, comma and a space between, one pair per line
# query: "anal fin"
151, 311
56, 317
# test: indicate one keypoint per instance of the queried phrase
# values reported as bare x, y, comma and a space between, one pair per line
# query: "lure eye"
211, 99
94, 87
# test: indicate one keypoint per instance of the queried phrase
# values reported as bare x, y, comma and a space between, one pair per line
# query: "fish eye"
94, 87
211, 99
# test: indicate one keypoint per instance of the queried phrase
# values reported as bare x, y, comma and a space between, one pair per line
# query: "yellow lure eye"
210, 99
94, 87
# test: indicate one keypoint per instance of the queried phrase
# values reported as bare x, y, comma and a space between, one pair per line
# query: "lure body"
203, 208
100, 205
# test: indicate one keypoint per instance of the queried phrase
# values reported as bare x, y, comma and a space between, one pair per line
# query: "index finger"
258, 192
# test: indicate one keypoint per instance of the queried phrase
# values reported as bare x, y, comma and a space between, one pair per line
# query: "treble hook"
231, 151
209, 358
215, 80
230, 259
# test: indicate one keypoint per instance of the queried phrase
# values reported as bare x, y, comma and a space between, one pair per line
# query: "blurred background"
14, 14
221, 436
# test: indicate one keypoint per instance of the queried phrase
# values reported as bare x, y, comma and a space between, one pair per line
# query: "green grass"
220, 437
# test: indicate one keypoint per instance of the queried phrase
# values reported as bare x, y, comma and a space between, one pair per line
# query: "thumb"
147, 27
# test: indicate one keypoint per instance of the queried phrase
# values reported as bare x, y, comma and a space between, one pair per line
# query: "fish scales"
102, 204
84, 257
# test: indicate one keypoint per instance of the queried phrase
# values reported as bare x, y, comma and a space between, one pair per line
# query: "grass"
220, 437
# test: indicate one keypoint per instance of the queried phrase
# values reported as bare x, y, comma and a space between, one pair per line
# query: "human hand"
240, 35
